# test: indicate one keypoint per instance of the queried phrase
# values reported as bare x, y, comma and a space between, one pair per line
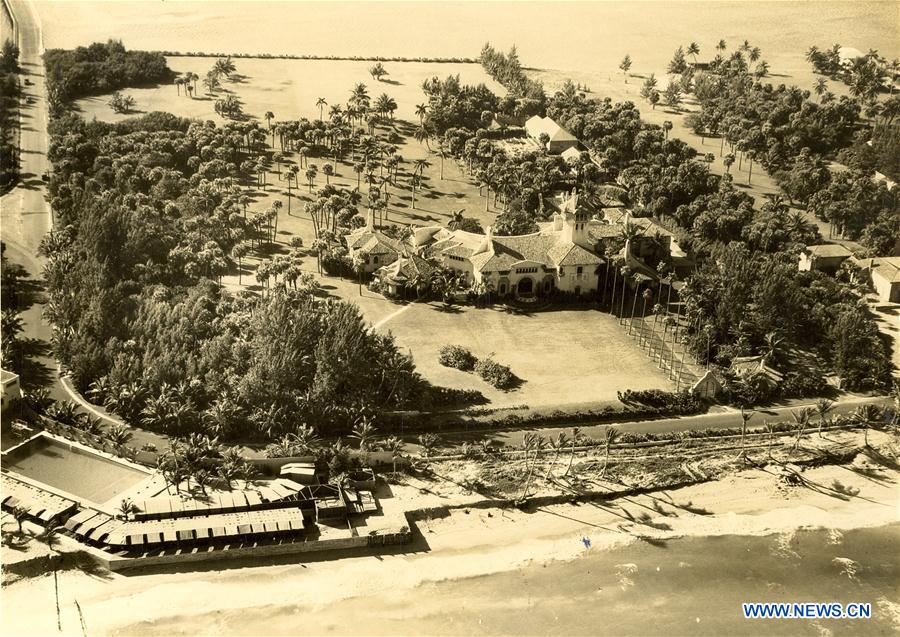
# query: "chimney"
487, 244
558, 222
370, 220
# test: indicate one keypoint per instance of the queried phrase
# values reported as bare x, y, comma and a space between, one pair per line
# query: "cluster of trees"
791, 136
866, 75
878, 149
12, 288
204, 460
526, 95
98, 69
859, 207
744, 302
10, 94
769, 125
452, 104
151, 214
121, 103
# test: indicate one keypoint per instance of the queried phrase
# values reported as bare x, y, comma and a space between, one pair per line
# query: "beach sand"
251, 598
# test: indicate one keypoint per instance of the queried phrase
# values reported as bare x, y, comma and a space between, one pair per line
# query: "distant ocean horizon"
587, 36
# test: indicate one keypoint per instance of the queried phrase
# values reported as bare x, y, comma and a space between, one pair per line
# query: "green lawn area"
564, 357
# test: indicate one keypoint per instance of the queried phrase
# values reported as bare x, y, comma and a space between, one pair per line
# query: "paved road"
25, 212
26, 215
713, 420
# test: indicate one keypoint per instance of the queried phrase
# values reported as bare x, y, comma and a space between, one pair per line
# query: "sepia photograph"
450, 317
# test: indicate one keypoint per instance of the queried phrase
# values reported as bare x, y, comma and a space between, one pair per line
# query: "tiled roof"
537, 125
889, 272
752, 365
829, 250
408, 269
373, 242
576, 255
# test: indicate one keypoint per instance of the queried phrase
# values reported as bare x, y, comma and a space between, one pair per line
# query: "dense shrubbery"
458, 357
98, 69
676, 403
498, 375
526, 95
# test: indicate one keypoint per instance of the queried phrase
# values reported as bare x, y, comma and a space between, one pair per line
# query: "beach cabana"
169, 536
102, 530
255, 499
78, 519
185, 535
136, 540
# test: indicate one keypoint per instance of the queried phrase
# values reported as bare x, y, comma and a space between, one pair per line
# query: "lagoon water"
588, 36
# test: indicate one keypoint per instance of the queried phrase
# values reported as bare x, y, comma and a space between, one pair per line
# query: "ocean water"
588, 36
688, 586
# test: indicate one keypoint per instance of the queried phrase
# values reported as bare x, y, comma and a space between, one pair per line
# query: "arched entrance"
525, 287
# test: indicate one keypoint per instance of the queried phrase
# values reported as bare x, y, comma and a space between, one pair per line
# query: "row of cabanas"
40, 505
101, 529
272, 494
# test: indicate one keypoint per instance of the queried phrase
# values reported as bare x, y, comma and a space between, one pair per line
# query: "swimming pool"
72, 469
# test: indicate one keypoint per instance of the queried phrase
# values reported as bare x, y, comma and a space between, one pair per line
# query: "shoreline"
319, 57
466, 543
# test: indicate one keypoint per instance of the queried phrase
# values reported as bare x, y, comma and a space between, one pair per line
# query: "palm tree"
321, 103
423, 135
559, 443
363, 432
576, 438
20, 514
119, 435
306, 438
531, 441
395, 446
269, 116
745, 418
823, 407
821, 87
328, 171
693, 49
428, 442
867, 415
728, 161
770, 429
801, 420
773, 343
610, 434
239, 251
414, 181
127, 508
421, 111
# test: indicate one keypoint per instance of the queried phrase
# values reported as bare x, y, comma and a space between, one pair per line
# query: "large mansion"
567, 254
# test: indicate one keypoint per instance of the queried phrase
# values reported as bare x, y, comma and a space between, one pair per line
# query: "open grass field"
290, 88
563, 357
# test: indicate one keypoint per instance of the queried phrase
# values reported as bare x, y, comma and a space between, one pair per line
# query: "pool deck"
149, 486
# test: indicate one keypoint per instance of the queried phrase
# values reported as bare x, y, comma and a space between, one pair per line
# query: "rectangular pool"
72, 469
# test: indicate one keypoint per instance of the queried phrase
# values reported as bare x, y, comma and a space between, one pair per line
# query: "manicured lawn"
563, 356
